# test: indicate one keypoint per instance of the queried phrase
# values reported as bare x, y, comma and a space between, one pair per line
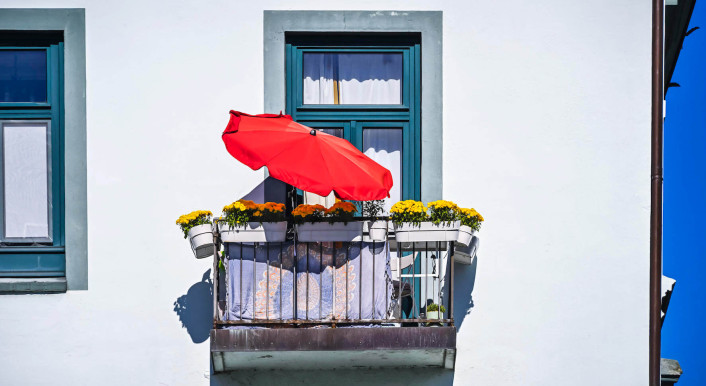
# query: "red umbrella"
306, 158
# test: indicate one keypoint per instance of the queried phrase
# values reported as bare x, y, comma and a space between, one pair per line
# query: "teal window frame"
353, 119
47, 259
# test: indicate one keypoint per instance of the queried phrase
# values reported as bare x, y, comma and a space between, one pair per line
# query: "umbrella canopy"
305, 158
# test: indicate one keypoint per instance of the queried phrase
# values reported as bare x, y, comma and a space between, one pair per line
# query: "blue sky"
684, 330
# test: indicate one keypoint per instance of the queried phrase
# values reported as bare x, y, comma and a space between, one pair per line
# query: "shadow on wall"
464, 282
195, 309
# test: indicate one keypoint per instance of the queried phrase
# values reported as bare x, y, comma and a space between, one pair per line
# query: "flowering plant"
242, 211
470, 218
197, 217
408, 211
441, 211
269, 212
310, 213
340, 211
236, 214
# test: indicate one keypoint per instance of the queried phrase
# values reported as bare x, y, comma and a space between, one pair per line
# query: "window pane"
385, 147
336, 132
352, 79
25, 180
23, 76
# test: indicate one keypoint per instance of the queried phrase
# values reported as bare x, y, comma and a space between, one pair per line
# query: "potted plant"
413, 224
435, 311
470, 224
315, 223
247, 222
198, 229
375, 227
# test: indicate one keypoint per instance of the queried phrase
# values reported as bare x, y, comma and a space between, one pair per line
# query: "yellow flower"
442, 204
187, 218
236, 206
408, 206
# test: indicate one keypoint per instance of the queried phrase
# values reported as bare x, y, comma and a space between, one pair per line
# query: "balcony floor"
333, 348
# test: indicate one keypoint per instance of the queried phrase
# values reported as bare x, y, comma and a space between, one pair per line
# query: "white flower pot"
433, 315
426, 231
253, 232
324, 231
465, 254
465, 234
375, 230
201, 239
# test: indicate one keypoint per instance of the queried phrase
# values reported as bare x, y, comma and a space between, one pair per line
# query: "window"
31, 156
366, 89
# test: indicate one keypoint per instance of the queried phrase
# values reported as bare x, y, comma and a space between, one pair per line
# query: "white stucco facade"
546, 131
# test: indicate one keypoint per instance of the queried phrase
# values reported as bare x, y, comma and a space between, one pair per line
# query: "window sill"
32, 285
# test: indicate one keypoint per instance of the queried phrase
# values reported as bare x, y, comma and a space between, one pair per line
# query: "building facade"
535, 113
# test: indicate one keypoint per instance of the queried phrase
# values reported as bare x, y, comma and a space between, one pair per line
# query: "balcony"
333, 305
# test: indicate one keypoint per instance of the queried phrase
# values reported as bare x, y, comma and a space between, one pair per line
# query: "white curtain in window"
356, 78
25, 180
384, 146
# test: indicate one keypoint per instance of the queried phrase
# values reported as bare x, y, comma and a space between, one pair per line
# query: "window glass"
385, 147
352, 78
23, 76
336, 132
26, 180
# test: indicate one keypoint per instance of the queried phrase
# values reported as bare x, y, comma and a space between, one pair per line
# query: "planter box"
465, 234
465, 254
254, 232
375, 230
201, 239
426, 231
323, 231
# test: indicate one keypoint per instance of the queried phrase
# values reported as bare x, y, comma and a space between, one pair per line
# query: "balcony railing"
306, 297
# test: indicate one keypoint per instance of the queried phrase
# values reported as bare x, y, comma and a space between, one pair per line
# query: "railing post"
215, 274
451, 279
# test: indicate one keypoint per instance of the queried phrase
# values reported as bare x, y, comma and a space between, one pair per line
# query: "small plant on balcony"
372, 209
435, 307
408, 211
442, 212
376, 226
308, 213
198, 217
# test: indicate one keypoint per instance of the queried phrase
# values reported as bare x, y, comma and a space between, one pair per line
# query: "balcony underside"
333, 348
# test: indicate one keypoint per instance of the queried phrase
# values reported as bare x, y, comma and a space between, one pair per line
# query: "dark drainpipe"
656, 188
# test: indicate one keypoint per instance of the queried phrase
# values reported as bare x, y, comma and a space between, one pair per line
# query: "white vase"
253, 232
201, 239
465, 234
324, 231
426, 231
375, 230
432, 314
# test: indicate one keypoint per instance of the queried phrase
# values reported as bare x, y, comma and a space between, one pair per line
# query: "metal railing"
401, 297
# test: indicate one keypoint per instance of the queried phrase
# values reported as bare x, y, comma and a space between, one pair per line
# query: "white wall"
546, 132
